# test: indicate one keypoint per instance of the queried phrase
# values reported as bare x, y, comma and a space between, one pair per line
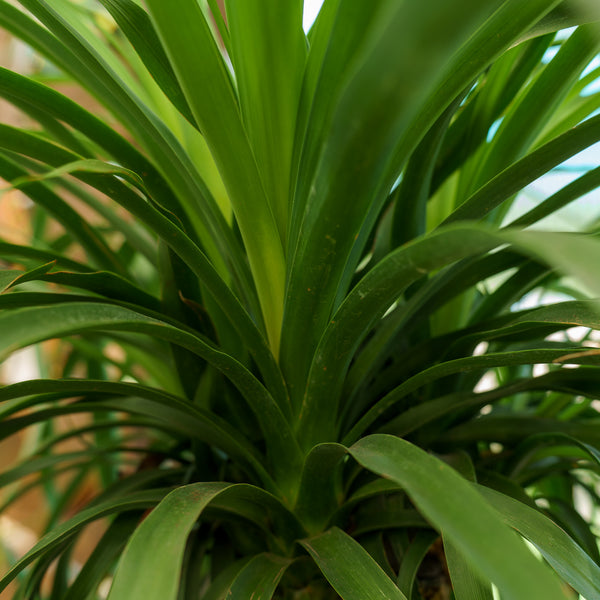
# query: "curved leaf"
320, 486
186, 35
563, 554
16, 251
103, 283
143, 575
412, 558
466, 582
137, 501
262, 508
136, 25
515, 177
95, 246
461, 514
383, 284
26, 326
567, 14
167, 409
349, 568
104, 555
258, 579
148, 575
152, 216
415, 416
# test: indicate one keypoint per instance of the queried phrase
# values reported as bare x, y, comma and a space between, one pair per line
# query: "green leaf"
34, 465
220, 584
561, 552
103, 283
528, 447
466, 582
143, 575
24, 92
349, 568
416, 416
383, 284
384, 91
26, 326
568, 518
171, 411
461, 514
135, 24
391, 519
258, 579
210, 93
510, 21
269, 83
523, 172
362, 308
530, 111
176, 167
558, 316
102, 558
18, 252
94, 245
412, 558
581, 186
154, 218
511, 429
492, 95
430, 297
85, 166
320, 490
7, 278
563, 253
267, 511
567, 14
65, 531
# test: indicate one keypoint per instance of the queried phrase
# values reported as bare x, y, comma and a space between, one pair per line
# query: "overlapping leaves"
270, 228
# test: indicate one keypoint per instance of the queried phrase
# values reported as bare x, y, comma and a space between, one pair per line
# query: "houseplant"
300, 277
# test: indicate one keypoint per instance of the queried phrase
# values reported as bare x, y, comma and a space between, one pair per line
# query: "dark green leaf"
348, 567
563, 554
137, 501
143, 575
259, 577
461, 514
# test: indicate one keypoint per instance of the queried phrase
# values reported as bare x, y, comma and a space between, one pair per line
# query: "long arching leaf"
30, 325
143, 575
565, 556
464, 517
349, 568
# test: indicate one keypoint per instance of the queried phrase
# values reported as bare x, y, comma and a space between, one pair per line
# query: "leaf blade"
258, 579
143, 575
565, 556
356, 576
464, 517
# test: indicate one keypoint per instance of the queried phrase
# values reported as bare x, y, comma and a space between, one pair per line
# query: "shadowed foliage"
315, 348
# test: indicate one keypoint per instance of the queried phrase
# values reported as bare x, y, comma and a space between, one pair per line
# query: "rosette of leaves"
289, 287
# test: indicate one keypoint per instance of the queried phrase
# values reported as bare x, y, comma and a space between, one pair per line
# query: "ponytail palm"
291, 280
